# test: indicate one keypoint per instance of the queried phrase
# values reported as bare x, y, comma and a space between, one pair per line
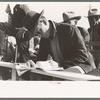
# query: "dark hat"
19, 12
22, 7
93, 12
31, 19
70, 15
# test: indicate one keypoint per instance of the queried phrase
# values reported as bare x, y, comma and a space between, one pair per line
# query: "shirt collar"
53, 30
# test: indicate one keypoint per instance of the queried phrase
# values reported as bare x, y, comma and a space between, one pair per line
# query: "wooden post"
14, 75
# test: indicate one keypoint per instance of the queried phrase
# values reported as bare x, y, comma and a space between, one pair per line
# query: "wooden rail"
91, 43
58, 74
13, 68
67, 75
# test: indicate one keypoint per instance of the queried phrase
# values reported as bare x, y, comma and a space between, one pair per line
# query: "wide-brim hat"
31, 19
70, 16
93, 12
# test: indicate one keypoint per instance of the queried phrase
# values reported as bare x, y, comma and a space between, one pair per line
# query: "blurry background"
54, 10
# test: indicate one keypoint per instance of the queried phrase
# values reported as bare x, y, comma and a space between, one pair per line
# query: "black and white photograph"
50, 42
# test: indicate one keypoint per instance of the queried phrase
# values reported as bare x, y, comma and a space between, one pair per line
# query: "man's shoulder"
65, 26
82, 29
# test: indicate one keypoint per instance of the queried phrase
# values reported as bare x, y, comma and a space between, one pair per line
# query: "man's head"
93, 16
42, 28
19, 11
37, 24
70, 17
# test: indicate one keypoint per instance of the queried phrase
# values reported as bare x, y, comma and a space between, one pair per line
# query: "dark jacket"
19, 12
85, 34
95, 34
72, 47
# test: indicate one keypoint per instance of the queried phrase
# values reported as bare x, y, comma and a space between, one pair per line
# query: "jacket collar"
53, 30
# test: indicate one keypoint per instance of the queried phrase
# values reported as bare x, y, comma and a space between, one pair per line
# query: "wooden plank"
93, 43
14, 75
13, 68
57, 74
7, 64
67, 75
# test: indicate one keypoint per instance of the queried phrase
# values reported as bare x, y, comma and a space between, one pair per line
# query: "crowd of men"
39, 39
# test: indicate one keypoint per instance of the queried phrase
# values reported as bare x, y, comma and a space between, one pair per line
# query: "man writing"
62, 41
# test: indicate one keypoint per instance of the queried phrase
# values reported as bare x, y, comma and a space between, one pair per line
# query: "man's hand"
31, 64
21, 32
54, 64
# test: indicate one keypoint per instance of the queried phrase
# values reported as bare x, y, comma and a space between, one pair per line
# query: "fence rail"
57, 74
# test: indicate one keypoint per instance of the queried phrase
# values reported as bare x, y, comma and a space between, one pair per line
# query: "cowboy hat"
93, 12
69, 16
31, 19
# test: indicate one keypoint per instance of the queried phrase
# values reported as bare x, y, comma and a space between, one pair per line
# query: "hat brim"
76, 18
40, 15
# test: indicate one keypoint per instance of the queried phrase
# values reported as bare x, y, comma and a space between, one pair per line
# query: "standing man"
10, 28
71, 18
62, 41
94, 30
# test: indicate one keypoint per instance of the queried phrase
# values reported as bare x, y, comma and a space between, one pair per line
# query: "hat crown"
70, 15
93, 12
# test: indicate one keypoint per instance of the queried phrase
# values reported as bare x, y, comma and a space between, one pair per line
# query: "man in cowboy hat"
94, 30
71, 18
62, 41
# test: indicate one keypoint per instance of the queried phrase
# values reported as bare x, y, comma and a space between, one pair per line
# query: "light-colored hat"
70, 15
93, 12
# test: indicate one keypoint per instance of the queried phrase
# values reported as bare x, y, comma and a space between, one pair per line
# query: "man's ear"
45, 21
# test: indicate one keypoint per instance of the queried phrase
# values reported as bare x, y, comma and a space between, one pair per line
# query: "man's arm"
79, 51
43, 53
23, 34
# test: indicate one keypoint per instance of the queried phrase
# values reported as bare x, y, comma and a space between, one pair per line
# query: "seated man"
63, 42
